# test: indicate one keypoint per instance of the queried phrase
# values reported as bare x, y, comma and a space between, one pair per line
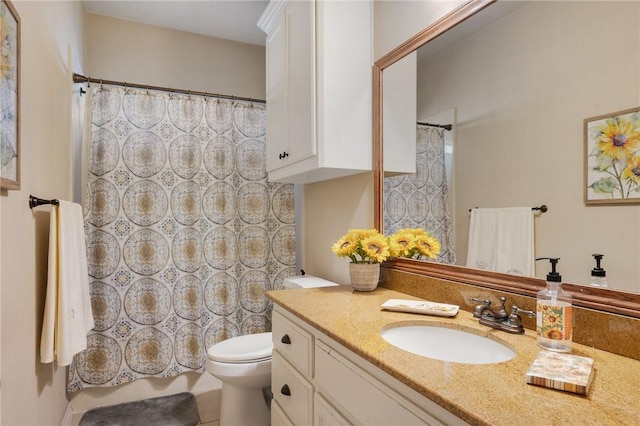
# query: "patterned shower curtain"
421, 200
184, 234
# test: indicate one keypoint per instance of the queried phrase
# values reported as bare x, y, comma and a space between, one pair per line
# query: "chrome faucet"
501, 320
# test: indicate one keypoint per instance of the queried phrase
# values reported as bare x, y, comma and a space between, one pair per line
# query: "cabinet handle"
285, 390
285, 339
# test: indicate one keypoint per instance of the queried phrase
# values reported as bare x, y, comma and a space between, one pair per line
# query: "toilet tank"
306, 281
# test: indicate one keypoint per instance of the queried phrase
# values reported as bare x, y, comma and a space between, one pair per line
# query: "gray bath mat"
172, 410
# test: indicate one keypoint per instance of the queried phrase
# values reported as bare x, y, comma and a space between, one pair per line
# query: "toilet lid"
248, 348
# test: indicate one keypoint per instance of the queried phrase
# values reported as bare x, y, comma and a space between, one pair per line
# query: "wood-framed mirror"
608, 300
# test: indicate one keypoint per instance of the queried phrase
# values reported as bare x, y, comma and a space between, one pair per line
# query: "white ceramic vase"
364, 276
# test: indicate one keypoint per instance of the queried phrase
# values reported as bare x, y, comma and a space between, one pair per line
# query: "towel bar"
35, 202
543, 208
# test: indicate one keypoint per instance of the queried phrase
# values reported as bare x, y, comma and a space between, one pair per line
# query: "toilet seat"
242, 349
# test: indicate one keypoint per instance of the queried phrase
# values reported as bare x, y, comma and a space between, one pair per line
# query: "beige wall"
133, 52
329, 209
33, 393
395, 21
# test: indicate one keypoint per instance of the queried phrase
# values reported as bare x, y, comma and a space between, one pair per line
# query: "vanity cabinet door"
362, 396
325, 415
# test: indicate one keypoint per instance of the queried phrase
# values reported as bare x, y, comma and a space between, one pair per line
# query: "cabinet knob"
285, 339
285, 390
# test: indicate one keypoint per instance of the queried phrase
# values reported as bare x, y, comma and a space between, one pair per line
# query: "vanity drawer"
292, 392
293, 343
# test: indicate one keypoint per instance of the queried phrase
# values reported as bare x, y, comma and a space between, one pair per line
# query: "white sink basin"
447, 344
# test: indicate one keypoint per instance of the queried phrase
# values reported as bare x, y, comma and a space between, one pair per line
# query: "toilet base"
243, 406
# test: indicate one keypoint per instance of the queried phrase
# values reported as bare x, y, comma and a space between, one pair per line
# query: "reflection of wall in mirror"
522, 88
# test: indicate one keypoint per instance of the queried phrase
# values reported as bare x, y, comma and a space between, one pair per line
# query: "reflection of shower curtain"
184, 234
421, 200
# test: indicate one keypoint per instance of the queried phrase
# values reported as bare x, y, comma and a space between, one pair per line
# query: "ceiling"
229, 19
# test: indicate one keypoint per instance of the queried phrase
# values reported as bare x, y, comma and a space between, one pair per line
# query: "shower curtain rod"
441, 126
78, 78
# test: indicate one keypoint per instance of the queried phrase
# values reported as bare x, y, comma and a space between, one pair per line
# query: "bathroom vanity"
331, 366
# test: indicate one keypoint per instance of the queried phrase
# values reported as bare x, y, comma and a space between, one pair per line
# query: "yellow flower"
428, 246
632, 171
345, 246
402, 243
7, 47
412, 242
363, 233
375, 247
618, 138
362, 246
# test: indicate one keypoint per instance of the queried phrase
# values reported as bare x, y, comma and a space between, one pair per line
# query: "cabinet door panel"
301, 80
276, 57
366, 399
325, 414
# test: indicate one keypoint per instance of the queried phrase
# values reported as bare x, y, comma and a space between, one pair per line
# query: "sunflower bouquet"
362, 246
414, 243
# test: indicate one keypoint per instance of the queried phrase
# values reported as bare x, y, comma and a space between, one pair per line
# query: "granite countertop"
490, 394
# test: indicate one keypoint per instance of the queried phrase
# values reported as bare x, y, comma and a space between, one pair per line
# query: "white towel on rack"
501, 240
67, 312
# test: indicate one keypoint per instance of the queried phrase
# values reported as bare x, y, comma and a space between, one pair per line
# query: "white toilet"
243, 364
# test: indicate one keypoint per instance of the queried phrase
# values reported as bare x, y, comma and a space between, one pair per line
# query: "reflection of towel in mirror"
501, 240
67, 312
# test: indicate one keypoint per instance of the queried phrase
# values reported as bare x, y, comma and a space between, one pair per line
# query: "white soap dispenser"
554, 313
598, 275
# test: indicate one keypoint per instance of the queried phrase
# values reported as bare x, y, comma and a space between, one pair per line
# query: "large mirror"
516, 80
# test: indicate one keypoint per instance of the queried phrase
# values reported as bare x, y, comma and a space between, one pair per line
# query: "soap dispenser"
598, 275
554, 314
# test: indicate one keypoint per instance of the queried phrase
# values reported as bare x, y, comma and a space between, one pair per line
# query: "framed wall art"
9, 96
612, 158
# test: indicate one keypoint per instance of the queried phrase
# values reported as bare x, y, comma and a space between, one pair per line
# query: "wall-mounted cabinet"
319, 89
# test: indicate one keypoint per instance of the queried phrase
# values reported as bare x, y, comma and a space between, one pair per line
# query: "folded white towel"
67, 313
501, 240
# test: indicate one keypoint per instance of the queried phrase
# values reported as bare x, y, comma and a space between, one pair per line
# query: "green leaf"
604, 186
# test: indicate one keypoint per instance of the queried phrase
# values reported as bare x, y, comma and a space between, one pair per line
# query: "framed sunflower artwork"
612, 158
9, 96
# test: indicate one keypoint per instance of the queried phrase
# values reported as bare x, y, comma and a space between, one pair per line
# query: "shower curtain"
421, 200
184, 234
